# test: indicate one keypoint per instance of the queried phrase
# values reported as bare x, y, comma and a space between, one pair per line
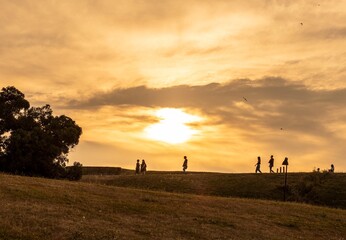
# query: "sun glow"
172, 127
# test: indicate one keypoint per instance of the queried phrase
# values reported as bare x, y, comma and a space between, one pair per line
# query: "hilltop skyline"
221, 82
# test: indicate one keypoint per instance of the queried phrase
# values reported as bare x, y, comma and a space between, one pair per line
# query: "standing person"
185, 164
271, 164
258, 165
138, 167
143, 167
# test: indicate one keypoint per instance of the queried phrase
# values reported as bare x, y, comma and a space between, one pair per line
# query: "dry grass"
35, 208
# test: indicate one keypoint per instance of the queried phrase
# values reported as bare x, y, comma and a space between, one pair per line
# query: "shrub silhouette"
33, 142
74, 173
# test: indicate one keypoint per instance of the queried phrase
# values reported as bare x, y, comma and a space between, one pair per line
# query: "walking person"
138, 167
185, 164
271, 164
258, 165
143, 167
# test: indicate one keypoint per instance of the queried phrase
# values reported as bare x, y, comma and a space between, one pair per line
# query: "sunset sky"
219, 81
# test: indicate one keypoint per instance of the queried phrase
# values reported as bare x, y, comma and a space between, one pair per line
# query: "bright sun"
172, 126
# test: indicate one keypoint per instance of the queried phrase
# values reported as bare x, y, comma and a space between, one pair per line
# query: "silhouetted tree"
32, 141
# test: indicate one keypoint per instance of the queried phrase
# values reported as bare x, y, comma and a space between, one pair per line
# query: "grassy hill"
102, 170
36, 208
324, 189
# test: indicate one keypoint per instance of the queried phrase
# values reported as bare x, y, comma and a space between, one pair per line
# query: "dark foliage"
308, 189
74, 173
33, 142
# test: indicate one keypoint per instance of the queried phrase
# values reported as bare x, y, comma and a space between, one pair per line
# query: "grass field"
36, 208
323, 189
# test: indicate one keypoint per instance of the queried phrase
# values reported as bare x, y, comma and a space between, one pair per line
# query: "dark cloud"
272, 103
213, 95
328, 33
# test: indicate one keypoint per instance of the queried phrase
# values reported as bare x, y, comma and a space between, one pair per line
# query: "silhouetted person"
318, 169
258, 165
271, 164
185, 164
138, 167
331, 168
143, 167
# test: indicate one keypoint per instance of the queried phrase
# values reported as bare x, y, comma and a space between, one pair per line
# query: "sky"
221, 82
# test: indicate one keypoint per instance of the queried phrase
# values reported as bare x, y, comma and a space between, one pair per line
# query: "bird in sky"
245, 99
301, 23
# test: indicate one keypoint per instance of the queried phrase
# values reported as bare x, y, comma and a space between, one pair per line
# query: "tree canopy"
33, 142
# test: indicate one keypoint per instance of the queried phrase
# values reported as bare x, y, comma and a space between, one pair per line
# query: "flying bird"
301, 23
245, 99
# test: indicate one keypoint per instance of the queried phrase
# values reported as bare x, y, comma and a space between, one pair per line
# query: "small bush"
74, 173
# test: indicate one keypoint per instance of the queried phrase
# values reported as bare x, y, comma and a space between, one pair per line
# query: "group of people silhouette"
271, 164
141, 167
332, 169
285, 163
258, 164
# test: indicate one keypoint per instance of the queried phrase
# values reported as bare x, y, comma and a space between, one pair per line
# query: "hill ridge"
38, 208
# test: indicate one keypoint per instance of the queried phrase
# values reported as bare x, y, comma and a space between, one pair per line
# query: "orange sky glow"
219, 81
